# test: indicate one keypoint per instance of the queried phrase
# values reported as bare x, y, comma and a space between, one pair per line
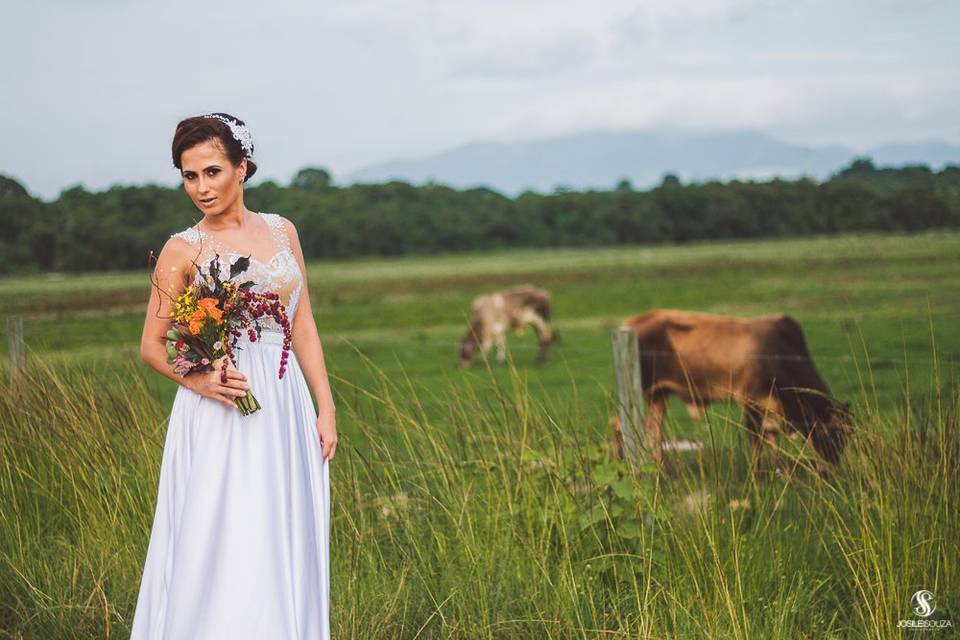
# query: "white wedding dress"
239, 547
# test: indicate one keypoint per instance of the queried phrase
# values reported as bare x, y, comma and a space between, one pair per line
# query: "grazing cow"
515, 308
762, 364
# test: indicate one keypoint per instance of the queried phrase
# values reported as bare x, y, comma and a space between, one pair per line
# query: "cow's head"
831, 432
468, 346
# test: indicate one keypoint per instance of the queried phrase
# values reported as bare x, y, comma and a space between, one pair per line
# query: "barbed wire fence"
17, 349
452, 345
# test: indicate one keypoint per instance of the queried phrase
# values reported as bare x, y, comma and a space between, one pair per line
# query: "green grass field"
483, 503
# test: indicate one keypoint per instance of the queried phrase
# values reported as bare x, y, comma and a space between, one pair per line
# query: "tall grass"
502, 518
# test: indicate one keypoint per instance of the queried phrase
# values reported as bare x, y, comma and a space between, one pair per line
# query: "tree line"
119, 227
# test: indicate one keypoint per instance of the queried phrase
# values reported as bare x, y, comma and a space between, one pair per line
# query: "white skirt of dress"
240, 541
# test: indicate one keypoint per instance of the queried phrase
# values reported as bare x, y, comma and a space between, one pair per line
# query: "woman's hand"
208, 385
327, 430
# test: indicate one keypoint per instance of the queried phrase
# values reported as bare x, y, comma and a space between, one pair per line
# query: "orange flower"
196, 321
207, 303
210, 306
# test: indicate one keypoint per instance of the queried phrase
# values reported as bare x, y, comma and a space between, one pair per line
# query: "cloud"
849, 108
345, 83
524, 57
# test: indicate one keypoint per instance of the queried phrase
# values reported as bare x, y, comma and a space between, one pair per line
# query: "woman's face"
210, 179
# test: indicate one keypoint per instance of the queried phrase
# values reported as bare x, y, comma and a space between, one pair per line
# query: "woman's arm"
306, 345
171, 275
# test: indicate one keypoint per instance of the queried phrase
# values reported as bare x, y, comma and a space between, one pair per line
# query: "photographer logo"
923, 603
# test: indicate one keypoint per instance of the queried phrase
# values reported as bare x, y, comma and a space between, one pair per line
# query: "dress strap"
193, 236
190, 235
279, 233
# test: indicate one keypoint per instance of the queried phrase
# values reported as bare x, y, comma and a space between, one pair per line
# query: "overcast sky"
92, 89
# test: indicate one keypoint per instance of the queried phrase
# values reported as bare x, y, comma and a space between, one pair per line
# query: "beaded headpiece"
239, 131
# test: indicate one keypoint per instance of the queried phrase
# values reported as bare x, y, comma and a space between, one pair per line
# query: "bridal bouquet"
210, 317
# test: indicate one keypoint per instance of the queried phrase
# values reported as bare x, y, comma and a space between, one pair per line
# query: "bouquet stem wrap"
247, 404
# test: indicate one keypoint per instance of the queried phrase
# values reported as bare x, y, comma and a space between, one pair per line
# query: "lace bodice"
281, 273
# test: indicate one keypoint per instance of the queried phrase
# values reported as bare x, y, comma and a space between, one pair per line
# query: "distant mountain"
599, 160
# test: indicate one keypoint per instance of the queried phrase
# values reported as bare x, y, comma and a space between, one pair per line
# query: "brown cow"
515, 308
762, 364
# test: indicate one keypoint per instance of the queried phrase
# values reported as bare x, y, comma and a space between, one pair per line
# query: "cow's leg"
818, 437
485, 345
774, 426
544, 335
753, 421
501, 341
653, 423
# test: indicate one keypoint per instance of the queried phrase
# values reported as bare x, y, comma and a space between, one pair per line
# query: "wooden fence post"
626, 363
15, 347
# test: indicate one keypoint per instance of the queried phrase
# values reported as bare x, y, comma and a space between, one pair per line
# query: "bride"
239, 546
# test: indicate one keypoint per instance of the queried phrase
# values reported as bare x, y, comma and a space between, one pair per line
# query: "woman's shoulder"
184, 246
189, 235
180, 250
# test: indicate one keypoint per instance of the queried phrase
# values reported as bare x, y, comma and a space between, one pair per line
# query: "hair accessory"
239, 131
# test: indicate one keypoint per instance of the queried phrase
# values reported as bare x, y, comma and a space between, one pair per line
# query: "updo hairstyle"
193, 131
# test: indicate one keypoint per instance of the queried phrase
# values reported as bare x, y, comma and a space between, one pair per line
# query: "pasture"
484, 503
